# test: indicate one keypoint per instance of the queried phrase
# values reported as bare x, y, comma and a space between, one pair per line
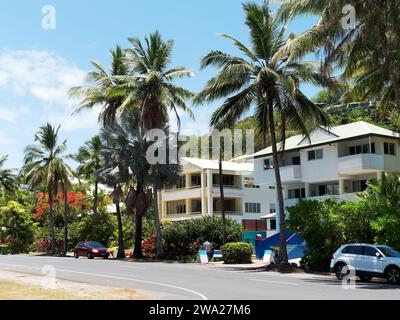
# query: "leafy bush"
185, 237
149, 246
19, 226
236, 252
98, 228
43, 245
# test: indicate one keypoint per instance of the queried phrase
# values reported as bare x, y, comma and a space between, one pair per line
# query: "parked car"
368, 260
91, 249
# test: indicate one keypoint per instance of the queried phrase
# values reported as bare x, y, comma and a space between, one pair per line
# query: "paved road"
194, 281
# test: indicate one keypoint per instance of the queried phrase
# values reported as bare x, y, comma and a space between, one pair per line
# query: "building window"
272, 208
359, 186
296, 161
196, 206
176, 207
297, 193
272, 224
315, 154
365, 148
328, 189
195, 180
252, 207
388, 148
181, 184
227, 180
268, 164
249, 183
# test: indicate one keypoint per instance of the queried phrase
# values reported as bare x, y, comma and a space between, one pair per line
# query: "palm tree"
269, 80
44, 167
103, 92
89, 157
126, 148
7, 178
113, 174
151, 86
368, 52
384, 190
65, 176
162, 175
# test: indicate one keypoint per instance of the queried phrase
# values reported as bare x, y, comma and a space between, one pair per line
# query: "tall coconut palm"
367, 52
44, 166
89, 157
268, 79
104, 84
7, 177
151, 86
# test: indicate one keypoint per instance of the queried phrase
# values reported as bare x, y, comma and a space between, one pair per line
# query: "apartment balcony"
288, 174
338, 197
361, 163
177, 194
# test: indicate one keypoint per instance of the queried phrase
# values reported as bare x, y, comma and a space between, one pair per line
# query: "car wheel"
89, 255
339, 271
76, 255
106, 256
365, 278
392, 275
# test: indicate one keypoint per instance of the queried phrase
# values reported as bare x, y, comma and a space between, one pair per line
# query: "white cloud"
44, 79
42, 74
7, 115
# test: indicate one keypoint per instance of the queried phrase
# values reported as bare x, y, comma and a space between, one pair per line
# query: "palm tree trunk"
96, 195
282, 228
137, 251
65, 223
121, 251
221, 190
52, 235
160, 249
396, 89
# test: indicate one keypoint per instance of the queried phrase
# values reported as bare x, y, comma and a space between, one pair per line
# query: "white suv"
368, 260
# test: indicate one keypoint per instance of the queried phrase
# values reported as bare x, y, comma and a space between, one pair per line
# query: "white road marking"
277, 282
203, 297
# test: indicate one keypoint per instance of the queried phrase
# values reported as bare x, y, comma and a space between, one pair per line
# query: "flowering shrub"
149, 246
43, 244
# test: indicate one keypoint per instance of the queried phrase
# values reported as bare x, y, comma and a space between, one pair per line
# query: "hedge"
236, 253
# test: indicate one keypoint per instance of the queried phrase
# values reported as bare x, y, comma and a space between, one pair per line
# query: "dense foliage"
236, 253
326, 225
186, 237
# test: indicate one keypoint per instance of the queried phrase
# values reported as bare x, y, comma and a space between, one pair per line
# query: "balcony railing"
359, 162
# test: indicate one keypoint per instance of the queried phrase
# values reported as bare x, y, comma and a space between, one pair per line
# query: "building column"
187, 180
307, 188
203, 194
188, 206
341, 186
210, 208
379, 175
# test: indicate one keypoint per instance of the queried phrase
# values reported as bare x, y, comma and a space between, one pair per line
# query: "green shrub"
236, 252
184, 237
19, 226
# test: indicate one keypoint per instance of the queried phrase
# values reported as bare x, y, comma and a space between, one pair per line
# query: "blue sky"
37, 66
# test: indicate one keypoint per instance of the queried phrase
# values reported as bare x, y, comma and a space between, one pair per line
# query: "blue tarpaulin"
295, 245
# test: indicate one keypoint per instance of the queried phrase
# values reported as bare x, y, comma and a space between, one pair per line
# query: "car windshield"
389, 252
96, 245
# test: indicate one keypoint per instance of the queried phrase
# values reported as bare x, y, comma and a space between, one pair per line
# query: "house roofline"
334, 141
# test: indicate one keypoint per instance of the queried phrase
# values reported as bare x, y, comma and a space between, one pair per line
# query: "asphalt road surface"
201, 282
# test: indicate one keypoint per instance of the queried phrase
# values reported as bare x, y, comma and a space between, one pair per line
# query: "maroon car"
90, 249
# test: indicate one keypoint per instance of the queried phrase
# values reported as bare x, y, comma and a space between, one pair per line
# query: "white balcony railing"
360, 162
288, 174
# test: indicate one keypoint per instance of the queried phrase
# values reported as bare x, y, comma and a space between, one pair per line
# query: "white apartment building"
198, 194
335, 162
